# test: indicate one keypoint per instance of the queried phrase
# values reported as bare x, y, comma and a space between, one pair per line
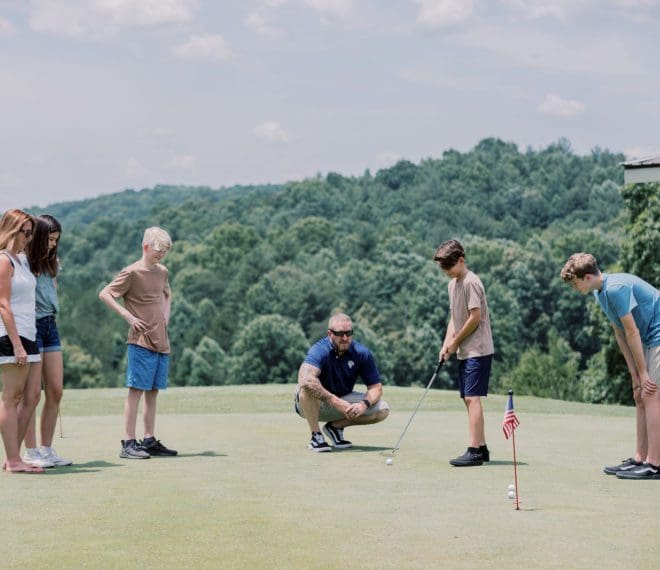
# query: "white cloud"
6, 28
99, 19
343, 10
183, 162
258, 23
133, 169
556, 106
558, 9
443, 13
204, 46
270, 132
148, 12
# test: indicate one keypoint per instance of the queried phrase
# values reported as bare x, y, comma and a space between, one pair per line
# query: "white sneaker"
48, 453
33, 457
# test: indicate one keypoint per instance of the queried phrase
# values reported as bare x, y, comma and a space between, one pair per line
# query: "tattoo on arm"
308, 378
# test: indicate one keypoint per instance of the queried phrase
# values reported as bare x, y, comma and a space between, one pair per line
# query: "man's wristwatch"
365, 401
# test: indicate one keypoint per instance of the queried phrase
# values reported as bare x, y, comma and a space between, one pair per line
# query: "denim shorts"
146, 369
48, 339
473, 375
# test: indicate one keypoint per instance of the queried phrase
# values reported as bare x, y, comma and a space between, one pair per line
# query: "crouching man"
326, 380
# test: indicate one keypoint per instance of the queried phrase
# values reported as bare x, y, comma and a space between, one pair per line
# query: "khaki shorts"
652, 357
329, 414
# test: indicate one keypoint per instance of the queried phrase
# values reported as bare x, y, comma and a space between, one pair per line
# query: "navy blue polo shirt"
340, 373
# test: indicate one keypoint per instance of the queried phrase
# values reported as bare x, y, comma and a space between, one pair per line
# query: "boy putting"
633, 308
469, 336
144, 289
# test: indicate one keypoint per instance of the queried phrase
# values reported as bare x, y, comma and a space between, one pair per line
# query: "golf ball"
512, 494
511, 487
388, 461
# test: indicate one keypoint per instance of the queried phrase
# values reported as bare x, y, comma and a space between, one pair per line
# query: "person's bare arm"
309, 380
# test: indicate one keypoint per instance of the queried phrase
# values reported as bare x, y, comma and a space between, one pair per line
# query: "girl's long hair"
10, 224
41, 260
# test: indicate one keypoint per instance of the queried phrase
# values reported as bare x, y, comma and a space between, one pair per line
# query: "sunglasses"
26, 233
342, 333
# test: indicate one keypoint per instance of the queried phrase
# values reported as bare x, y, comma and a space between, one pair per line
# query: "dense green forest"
256, 271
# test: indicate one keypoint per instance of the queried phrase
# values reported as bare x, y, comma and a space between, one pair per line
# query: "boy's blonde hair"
157, 238
579, 265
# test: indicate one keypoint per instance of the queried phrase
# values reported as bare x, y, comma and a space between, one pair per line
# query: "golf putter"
405, 429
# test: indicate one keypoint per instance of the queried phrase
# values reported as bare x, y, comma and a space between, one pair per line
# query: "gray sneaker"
131, 450
626, 465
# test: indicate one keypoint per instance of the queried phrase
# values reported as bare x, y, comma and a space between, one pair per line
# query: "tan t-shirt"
143, 291
465, 294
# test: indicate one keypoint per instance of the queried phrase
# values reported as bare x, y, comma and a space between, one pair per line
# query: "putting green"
246, 493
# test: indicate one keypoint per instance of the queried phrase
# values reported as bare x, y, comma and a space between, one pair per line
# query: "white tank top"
22, 299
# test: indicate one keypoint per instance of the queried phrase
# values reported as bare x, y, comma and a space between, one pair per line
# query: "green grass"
245, 493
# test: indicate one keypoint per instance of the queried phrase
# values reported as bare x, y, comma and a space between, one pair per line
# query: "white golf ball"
512, 487
389, 461
512, 494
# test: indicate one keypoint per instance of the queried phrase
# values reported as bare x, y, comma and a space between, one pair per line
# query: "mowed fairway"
246, 493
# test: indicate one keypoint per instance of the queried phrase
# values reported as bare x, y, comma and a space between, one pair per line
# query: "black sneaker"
470, 458
153, 446
625, 465
336, 436
318, 443
483, 449
644, 471
131, 450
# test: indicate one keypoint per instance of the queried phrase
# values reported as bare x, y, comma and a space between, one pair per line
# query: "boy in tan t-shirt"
469, 336
144, 288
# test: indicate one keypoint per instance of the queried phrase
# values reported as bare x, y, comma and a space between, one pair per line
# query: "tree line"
256, 271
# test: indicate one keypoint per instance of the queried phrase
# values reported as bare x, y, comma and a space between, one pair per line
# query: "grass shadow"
368, 448
88, 467
208, 453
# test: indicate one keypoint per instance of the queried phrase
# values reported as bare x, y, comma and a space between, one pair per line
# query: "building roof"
647, 162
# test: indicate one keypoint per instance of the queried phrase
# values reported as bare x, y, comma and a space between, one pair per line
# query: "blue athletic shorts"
473, 375
146, 369
48, 338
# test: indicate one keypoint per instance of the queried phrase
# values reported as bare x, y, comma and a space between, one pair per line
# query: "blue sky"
101, 95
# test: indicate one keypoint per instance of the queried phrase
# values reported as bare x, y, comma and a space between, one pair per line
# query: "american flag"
510, 420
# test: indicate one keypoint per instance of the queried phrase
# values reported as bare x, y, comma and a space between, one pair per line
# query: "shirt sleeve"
474, 296
369, 372
622, 300
314, 357
120, 284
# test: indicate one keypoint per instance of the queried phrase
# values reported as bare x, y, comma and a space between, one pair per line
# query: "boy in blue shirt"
326, 380
633, 307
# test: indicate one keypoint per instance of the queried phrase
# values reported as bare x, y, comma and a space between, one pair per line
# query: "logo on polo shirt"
351, 364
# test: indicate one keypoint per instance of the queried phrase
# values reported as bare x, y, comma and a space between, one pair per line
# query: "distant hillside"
256, 271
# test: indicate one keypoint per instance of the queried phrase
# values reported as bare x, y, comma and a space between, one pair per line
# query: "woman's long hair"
41, 260
10, 224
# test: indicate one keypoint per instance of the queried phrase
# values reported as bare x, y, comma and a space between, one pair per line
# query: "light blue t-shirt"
46, 296
623, 293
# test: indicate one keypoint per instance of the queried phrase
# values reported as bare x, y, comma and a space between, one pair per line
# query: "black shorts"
7, 350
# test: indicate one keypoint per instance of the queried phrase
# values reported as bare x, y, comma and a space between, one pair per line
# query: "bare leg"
641, 451
14, 379
652, 406
310, 407
31, 430
130, 411
475, 421
31, 396
150, 397
53, 376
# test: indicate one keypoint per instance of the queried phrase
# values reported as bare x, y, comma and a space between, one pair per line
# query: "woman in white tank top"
18, 349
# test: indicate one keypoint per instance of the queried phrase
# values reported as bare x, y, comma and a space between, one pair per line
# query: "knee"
54, 395
382, 414
31, 398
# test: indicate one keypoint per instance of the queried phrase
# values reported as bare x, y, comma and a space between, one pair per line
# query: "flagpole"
515, 469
